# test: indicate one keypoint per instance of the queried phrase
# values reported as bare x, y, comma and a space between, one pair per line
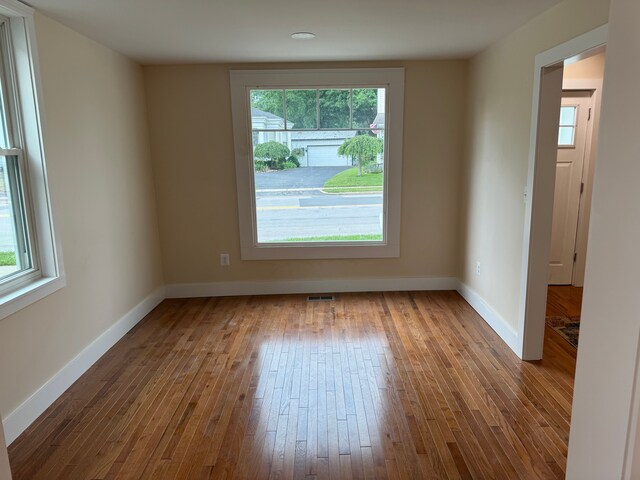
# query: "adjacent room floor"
564, 305
372, 385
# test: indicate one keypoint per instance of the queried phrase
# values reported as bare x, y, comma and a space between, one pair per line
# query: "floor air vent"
320, 298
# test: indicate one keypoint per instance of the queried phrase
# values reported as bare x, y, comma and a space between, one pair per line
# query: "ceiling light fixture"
303, 35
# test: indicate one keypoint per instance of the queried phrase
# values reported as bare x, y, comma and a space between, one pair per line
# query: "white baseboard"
18, 420
505, 331
228, 289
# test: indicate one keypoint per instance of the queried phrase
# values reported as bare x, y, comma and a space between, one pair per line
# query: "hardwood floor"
564, 300
371, 385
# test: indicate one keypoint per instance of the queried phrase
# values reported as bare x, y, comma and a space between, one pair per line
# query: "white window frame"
242, 81
47, 274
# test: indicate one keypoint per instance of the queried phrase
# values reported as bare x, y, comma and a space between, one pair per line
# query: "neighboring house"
268, 121
320, 146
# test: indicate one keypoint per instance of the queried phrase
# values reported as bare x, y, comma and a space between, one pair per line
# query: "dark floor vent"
320, 298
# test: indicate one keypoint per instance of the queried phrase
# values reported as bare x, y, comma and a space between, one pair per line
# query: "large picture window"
318, 160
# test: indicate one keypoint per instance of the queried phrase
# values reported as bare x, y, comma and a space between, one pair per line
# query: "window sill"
29, 293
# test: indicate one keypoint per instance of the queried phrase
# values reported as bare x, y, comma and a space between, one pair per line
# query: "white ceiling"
182, 31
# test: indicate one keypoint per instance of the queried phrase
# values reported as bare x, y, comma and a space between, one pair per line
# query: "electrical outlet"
224, 260
477, 268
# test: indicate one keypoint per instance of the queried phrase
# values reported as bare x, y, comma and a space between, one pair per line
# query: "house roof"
255, 112
378, 121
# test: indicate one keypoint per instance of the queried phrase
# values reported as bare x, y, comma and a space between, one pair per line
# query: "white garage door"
325, 156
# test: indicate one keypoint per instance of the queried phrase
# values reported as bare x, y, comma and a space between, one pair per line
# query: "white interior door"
575, 116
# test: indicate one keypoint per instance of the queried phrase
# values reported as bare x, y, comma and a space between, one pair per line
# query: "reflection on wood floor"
371, 385
564, 300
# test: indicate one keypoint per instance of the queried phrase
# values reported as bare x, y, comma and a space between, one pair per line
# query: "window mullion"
317, 109
351, 108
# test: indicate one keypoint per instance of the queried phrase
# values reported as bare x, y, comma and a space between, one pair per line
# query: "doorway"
575, 162
549, 82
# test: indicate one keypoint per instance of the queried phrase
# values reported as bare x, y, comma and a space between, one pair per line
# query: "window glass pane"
565, 136
302, 109
334, 195
368, 107
334, 108
13, 252
267, 109
568, 116
4, 131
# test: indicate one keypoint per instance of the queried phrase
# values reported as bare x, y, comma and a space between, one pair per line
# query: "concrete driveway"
303, 177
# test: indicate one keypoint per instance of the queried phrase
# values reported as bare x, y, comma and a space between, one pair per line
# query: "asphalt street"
292, 204
316, 214
307, 177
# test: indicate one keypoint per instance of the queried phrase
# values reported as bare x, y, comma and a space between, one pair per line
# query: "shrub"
289, 164
293, 159
373, 168
261, 166
272, 153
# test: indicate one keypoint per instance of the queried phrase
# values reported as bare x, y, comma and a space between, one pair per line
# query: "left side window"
30, 256
18, 257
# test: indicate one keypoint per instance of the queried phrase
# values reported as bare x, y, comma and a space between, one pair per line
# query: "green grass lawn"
348, 181
334, 238
7, 259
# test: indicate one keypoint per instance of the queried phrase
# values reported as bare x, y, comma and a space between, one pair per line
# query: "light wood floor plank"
369, 385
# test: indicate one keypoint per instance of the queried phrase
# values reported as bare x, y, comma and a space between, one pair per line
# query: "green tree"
270, 101
334, 106
273, 153
362, 148
365, 106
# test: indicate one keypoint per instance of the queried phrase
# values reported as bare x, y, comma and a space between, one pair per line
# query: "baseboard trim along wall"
18, 420
229, 289
499, 325
221, 289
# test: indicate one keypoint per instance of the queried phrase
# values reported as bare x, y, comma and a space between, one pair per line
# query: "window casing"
26, 222
316, 83
16, 226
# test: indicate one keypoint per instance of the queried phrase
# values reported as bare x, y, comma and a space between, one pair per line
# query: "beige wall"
609, 328
5, 470
591, 67
192, 148
495, 168
102, 188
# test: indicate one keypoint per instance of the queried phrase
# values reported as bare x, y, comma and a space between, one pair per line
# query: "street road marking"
294, 207
321, 189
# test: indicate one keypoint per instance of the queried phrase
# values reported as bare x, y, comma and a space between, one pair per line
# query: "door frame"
547, 92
